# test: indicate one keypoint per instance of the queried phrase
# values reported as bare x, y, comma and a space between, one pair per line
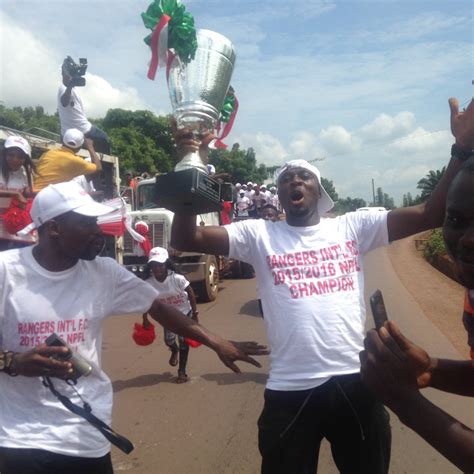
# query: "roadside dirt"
440, 298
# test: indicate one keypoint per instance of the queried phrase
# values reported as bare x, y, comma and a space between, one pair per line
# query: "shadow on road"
250, 308
143, 381
232, 379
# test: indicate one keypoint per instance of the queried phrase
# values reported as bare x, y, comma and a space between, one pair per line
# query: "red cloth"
225, 213
142, 229
16, 218
142, 336
192, 342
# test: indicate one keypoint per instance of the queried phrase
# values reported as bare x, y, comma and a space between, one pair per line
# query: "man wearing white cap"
62, 164
310, 279
61, 286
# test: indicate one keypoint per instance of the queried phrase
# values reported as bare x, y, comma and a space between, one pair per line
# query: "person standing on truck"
174, 290
71, 111
62, 164
16, 183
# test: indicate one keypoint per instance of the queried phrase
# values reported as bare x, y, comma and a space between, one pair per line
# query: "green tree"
328, 185
429, 182
348, 204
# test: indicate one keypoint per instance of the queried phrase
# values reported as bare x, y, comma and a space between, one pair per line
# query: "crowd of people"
328, 379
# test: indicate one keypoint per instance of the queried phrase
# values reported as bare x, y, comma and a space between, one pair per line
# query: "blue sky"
361, 84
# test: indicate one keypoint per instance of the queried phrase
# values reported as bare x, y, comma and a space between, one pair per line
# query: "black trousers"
293, 424
38, 461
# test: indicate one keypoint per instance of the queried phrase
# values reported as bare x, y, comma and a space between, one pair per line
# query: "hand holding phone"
378, 309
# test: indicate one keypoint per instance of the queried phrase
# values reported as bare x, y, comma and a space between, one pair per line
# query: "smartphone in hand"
378, 309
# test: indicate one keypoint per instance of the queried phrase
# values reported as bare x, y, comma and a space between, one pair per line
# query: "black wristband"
461, 153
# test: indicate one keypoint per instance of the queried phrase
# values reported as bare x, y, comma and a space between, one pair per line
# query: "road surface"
209, 424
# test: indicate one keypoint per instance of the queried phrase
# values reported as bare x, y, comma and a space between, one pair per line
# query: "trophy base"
188, 192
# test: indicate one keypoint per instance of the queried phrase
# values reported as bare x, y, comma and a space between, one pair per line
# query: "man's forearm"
66, 97
183, 232
453, 376
435, 207
177, 322
446, 434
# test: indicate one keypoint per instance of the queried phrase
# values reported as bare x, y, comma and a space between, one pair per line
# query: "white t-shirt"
243, 205
84, 183
172, 291
34, 303
259, 200
73, 115
311, 283
17, 181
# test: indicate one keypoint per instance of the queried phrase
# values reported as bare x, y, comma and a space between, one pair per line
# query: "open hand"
39, 362
231, 351
462, 124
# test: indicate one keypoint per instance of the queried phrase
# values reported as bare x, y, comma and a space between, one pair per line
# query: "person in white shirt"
242, 206
61, 286
259, 199
175, 290
71, 111
16, 183
309, 275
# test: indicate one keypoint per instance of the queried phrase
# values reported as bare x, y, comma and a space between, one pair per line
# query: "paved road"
209, 424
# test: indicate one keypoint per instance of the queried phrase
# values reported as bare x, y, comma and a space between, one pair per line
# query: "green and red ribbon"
227, 117
173, 34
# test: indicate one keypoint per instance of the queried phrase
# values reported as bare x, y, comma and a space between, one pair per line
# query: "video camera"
76, 71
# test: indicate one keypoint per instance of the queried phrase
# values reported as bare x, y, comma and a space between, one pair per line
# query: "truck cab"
203, 271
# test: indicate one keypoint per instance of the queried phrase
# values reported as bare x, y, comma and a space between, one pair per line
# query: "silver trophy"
197, 92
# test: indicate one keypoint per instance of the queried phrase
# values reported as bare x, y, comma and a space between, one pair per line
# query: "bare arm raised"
430, 214
185, 234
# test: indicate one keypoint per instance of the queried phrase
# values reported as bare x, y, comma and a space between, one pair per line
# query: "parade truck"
202, 271
108, 181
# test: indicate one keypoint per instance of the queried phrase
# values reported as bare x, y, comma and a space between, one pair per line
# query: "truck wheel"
207, 289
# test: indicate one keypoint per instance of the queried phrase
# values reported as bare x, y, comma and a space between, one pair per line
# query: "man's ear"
52, 228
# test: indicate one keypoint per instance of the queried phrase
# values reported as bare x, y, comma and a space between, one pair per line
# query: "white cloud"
337, 140
31, 76
385, 127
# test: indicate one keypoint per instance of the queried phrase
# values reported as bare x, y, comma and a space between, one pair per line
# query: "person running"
174, 290
16, 168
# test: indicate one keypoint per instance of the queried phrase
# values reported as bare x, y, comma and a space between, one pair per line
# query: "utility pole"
373, 191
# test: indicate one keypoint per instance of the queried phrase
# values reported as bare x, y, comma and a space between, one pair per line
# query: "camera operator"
70, 108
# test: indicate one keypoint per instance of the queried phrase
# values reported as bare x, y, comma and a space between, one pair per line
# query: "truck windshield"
146, 196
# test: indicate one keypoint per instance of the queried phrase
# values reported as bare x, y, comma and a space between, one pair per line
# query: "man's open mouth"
296, 197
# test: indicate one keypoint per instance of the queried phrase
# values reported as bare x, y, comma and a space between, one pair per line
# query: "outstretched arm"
407, 221
185, 234
228, 351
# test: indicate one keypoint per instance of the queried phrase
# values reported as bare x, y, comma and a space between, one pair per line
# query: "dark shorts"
38, 461
293, 424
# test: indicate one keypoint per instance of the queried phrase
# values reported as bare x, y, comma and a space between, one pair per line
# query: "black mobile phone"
378, 309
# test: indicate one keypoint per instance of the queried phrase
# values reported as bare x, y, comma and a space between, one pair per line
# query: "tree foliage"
348, 204
429, 182
328, 185
384, 200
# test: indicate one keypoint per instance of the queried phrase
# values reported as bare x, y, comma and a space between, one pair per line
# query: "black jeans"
293, 424
38, 461
100, 138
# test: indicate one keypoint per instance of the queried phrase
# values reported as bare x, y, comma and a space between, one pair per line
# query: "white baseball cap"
211, 169
250, 183
16, 141
57, 199
238, 185
263, 186
158, 254
325, 203
73, 138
